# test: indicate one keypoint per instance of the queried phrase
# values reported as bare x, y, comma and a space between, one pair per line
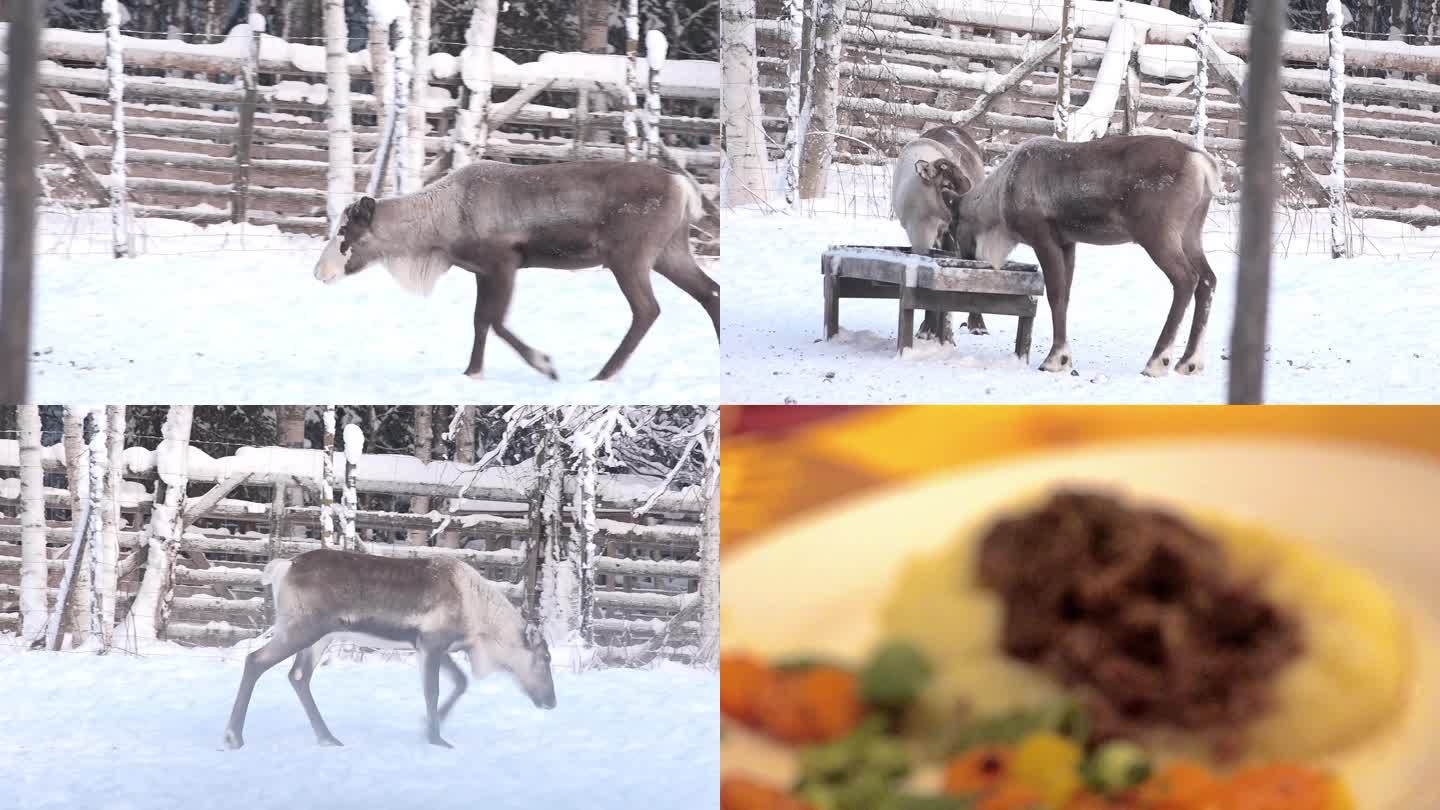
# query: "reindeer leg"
430, 680
1057, 292
305, 663
482, 326
677, 265
1193, 361
281, 646
458, 678
1172, 261
500, 270
634, 282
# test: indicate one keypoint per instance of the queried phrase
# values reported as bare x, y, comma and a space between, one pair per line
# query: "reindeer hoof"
474, 375
979, 330
1057, 362
436, 739
329, 742
1158, 367
233, 741
1190, 367
542, 364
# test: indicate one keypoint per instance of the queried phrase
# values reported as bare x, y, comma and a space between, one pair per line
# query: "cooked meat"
1139, 611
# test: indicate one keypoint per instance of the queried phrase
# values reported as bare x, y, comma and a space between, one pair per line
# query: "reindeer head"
946, 179
354, 245
532, 669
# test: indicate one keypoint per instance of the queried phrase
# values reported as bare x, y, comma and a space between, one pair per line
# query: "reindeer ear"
951, 198
925, 170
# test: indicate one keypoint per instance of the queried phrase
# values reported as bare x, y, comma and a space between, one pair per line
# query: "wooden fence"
909, 66
646, 572
202, 148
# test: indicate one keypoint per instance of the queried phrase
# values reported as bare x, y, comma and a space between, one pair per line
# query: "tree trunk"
406, 176
291, 420
559, 597
795, 82
327, 485
709, 586
633, 148
115, 68
34, 574
746, 172
824, 98
656, 47
150, 609
1339, 217
1201, 120
354, 447
472, 127
107, 554
382, 81
77, 476
340, 176
594, 18
419, 90
464, 430
22, 184
420, 504
1066, 77
1257, 212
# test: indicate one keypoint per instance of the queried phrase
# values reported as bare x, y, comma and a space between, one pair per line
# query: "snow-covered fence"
644, 573
189, 138
910, 65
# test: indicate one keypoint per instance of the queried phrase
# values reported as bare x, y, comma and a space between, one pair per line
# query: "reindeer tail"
1208, 168
694, 199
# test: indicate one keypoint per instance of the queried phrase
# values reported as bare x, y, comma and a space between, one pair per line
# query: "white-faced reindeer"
433, 606
492, 219
930, 174
1147, 189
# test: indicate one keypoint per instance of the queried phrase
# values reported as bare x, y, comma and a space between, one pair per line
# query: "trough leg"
832, 306
906, 338
1022, 338
305, 663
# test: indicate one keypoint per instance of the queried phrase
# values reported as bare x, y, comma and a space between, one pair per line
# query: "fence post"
1202, 74
240, 193
115, 69
327, 484
655, 48
354, 446
1339, 217
1067, 71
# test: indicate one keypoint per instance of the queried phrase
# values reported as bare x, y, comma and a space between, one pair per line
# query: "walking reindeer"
491, 219
930, 174
1147, 189
434, 606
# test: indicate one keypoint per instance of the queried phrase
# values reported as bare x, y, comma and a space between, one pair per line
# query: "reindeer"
930, 174
433, 606
1147, 189
491, 219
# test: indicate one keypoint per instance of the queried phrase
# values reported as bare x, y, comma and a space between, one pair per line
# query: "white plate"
817, 585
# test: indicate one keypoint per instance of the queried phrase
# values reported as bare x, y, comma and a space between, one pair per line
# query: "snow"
144, 732
655, 48
354, 443
384, 12
1350, 330
1201, 8
231, 313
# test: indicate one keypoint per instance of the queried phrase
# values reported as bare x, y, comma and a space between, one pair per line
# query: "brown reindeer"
432, 605
1147, 189
492, 219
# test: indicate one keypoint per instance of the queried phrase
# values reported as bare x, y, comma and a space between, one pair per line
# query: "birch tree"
795, 82
115, 69
823, 99
34, 572
172, 459
477, 66
1201, 121
656, 47
354, 447
462, 431
745, 173
340, 172
95, 528
709, 587
559, 603
1339, 218
1066, 76
327, 483
107, 554
419, 89
406, 176
383, 80
75, 602
420, 504
632, 81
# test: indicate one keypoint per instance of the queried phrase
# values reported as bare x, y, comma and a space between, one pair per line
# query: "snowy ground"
143, 733
1356, 330
231, 313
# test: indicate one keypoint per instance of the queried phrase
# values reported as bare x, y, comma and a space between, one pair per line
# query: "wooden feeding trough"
937, 282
